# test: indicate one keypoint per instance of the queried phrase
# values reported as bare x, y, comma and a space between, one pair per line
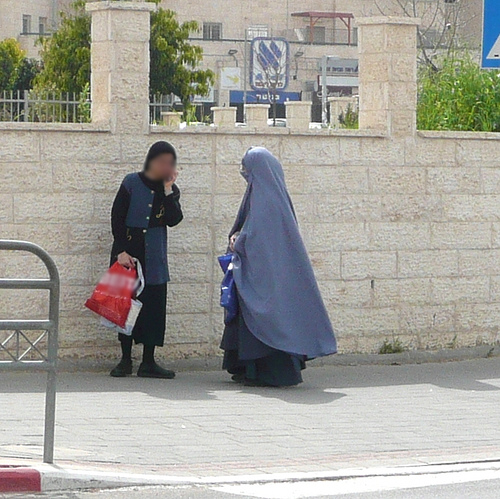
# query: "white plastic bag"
135, 309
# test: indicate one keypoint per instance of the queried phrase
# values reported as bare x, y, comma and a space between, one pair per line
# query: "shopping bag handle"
140, 283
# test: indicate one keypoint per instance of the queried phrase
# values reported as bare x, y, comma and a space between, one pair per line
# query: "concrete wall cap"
409, 21
137, 6
298, 103
257, 106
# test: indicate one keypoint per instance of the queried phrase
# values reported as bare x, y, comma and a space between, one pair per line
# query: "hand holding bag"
228, 294
114, 297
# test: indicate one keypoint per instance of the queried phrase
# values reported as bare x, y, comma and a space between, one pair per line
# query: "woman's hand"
232, 240
169, 183
126, 260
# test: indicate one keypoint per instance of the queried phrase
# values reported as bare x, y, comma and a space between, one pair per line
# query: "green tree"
11, 60
26, 74
174, 61
66, 54
458, 96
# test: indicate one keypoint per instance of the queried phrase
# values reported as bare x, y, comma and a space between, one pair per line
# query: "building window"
258, 30
212, 31
26, 24
42, 25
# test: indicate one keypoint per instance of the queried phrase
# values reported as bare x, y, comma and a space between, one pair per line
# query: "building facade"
27, 20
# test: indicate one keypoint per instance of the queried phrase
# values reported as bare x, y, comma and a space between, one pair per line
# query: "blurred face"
162, 167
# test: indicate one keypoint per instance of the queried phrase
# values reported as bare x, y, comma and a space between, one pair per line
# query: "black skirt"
150, 326
246, 355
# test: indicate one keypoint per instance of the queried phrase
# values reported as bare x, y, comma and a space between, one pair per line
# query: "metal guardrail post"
50, 327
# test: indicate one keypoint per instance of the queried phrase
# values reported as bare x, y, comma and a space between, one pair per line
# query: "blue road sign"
491, 34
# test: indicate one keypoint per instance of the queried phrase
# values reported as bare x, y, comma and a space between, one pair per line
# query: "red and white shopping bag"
114, 298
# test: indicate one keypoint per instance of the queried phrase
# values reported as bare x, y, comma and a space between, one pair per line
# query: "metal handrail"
50, 326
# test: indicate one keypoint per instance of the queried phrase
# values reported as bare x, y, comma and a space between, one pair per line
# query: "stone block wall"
402, 226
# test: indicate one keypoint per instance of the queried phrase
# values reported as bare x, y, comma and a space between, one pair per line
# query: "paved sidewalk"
201, 424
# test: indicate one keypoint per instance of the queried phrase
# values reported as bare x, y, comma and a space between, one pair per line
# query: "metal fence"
44, 107
25, 352
159, 104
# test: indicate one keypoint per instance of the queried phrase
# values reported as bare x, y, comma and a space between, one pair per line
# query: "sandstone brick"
454, 180
491, 180
479, 317
189, 298
131, 56
188, 328
197, 269
350, 151
393, 292
403, 68
228, 180
383, 151
24, 304
337, 236
74, 269
398, 42
226, 208
463, 235
426, 319
478, 153
84, 147
375, 67
400, 235
19, 147
73, 298
297, 150
360, 321
397, 179
428, 263
345, 293
6, 208
230, 149
412, 208
479, 262
368, 264
125, 26
435, 152
25, 177
460, 289
463, 208
21, 265
190, 237
51, 237
196, 179
89, 177
90, 238
102, 204
344, 180
326, 265
347, 208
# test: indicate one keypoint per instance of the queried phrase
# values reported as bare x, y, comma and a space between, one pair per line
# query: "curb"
20, 479
214, 363
55, 478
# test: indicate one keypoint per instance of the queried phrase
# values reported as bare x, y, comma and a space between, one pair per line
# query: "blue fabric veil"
279, 296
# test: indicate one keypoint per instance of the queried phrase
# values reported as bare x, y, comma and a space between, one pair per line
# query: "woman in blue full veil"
282, 321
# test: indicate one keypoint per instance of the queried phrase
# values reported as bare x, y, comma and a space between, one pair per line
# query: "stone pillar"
257, 115
388, 74
120, 64
224, 117
298, 115
338, 106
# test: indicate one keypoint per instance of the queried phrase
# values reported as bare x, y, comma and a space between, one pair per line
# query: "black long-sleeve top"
165, 211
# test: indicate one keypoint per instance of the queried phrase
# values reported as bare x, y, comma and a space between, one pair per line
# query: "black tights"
148, 354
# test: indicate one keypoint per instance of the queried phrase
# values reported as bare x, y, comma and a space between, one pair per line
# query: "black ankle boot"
124, 368
153, 370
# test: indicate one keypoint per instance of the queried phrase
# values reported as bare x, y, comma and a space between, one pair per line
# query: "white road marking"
299, 490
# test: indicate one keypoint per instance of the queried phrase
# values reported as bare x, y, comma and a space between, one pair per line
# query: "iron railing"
44, 107
159, 104
33, 356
